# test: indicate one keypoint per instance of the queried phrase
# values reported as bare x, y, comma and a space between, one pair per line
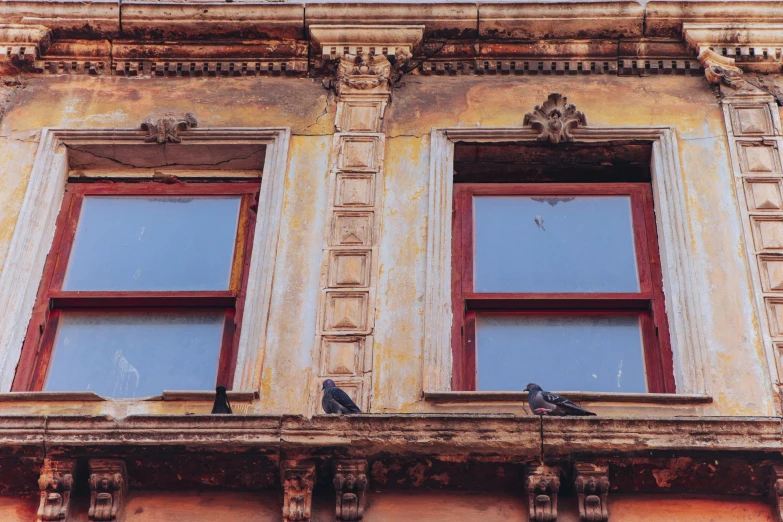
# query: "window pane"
135, 354
554, 244
578, 353
153, 243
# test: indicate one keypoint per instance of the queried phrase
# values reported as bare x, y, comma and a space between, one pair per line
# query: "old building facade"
430, 203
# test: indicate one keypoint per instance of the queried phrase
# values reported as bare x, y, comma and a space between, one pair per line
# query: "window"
143, 289
558, 284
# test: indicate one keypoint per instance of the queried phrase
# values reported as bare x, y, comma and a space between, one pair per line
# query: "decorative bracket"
108, 485
55, 483
555, 119
592, 491
776, 492
350, 485
298, 477
542, 483
166, 129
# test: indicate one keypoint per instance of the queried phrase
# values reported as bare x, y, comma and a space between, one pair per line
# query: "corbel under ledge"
729, 51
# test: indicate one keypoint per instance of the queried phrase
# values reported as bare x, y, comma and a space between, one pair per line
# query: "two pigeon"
547, 403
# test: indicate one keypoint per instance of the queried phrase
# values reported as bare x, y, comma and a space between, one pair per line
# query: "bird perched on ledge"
221, 401
547, 403
337, 401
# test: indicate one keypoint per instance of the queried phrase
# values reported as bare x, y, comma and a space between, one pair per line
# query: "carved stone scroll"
555, 119
108, 484
350, 485
721, 69
55, 483
298, 481
542, 484
166, 129
592, 491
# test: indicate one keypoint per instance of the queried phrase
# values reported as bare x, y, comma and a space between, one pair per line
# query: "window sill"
647, 398
167, 395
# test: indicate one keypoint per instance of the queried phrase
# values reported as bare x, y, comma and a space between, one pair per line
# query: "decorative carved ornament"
350, 485
363, 71
55, 483
108, 484
721, 69
555, 119
166, 129
542, 485
777, 491
592, 491
298, 481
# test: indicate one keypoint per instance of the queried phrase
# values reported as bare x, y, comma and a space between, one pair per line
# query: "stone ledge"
640, 398
408, 434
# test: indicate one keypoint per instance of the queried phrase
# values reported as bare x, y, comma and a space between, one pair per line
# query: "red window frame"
648, 303
33, 369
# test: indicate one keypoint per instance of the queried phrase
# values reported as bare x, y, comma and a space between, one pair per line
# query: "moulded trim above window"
681, 297
34, 232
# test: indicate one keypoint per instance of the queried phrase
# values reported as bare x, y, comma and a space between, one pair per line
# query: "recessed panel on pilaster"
349, 268
775, 314
361, 116
771, 268
354, 190
342, 356
768, 233
358, 153
346, 312
763, 194
759, 157
352, 228
749, 120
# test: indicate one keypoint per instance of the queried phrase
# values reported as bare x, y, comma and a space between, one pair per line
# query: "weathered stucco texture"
737, 369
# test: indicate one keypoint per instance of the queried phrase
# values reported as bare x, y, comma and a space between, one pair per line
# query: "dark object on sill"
337, 401
221, 401
547, 403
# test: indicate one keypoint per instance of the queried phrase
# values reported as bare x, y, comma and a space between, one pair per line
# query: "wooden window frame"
34, 364
648, 303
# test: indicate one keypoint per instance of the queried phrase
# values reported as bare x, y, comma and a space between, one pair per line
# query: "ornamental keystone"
555, 119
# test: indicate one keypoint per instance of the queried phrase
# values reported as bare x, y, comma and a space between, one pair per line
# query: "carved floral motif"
55, 483
298, 482
350, 485
166, 129
108, 483
592, 492
542, 485
555, 119
363, 71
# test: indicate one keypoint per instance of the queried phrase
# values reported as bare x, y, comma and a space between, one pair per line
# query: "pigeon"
547, 403
337, 401
221, 401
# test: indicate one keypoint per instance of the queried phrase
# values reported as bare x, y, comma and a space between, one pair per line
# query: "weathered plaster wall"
740, 380
737, 364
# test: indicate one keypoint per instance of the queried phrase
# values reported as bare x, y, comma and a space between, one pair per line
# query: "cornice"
246, 38
409, 434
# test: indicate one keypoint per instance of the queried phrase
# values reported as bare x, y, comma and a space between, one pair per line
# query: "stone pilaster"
349, 274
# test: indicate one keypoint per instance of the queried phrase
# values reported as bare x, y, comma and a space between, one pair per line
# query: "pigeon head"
329, 383
532, 386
